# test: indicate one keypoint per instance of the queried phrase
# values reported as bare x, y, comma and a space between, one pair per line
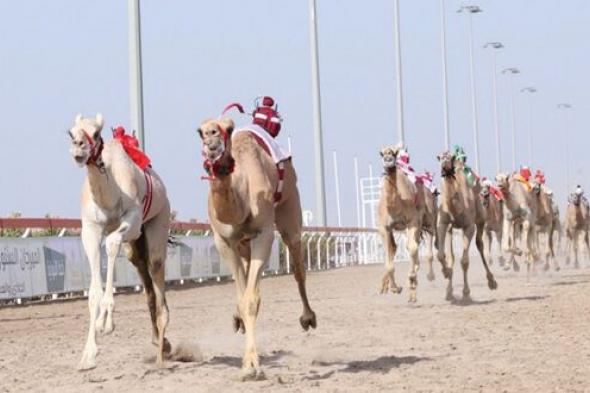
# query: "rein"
95, 157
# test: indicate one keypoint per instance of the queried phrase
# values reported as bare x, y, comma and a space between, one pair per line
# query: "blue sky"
59, 58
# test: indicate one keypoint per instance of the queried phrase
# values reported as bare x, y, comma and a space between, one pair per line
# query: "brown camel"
520, 217
545, 223
403, 205
129, 208
243, 211
460, 208
492, 204
577, 217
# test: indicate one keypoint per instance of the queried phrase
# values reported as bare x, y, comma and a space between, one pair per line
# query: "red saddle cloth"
131, 147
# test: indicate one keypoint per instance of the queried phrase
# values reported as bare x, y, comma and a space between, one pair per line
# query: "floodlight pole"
511, 72
530, 90
470, 10
398, 59
320, 191
443, 46
135, 71
496, 46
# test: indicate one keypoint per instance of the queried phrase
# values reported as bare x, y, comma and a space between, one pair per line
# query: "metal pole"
496, 123
337, 181
531, 162
289, 144
473, 94
513, 109
443, 46
398, 50
567, 154
317, 117
357, 188
135, 71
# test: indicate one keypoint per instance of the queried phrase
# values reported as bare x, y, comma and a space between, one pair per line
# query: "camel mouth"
388, 162
80, 159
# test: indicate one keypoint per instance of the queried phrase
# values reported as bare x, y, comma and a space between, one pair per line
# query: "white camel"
128, 206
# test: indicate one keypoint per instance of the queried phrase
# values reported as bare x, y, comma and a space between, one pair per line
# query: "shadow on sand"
470, 302
381, 365
531, 298
235, 361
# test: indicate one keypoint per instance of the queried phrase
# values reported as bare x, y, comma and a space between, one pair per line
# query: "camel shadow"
271, 361
380, 365
567, 283
470, 302
521, 298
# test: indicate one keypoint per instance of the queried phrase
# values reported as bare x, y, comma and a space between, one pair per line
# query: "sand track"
526, 338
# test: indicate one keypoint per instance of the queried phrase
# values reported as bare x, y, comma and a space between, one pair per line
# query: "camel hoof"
430, 276
492, 284
413, 299
450, 297
397, 290
238, 324
557, 268
88, 361
308, 321
251, 374
515, 266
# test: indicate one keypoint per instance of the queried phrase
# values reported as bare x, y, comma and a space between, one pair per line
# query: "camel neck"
103, 187
225, 201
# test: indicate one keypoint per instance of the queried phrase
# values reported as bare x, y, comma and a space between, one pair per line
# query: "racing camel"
404, 205
127, 206
460, 208
250, 194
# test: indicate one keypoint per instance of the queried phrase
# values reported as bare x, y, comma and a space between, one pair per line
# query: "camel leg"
250, 303
232, 258
413, 237
156, 233
129, 230
290, 230
576, 243
445, 255
388, 281
527, 241
568, 246
556, 266
507, 244
499, 237
487, 245
467, 236
137, 253
492, 284
91, 238
429, 256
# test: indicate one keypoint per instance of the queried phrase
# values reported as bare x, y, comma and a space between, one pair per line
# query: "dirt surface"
525, 338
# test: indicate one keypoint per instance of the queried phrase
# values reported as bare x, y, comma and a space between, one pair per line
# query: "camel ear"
99, 122
200, 132
78, 119
381, 153
227, 124
70, 134
438, 157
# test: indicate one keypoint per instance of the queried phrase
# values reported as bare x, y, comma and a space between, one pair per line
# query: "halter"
95, 157
214, 168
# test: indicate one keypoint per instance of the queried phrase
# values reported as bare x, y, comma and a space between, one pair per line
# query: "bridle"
215, 168
446, 172
95, 157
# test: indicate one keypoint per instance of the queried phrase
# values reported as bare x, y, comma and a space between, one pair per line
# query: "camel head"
485, 192
216, 137
447, 164
86, 141
389, 157
503, 182
575, 198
